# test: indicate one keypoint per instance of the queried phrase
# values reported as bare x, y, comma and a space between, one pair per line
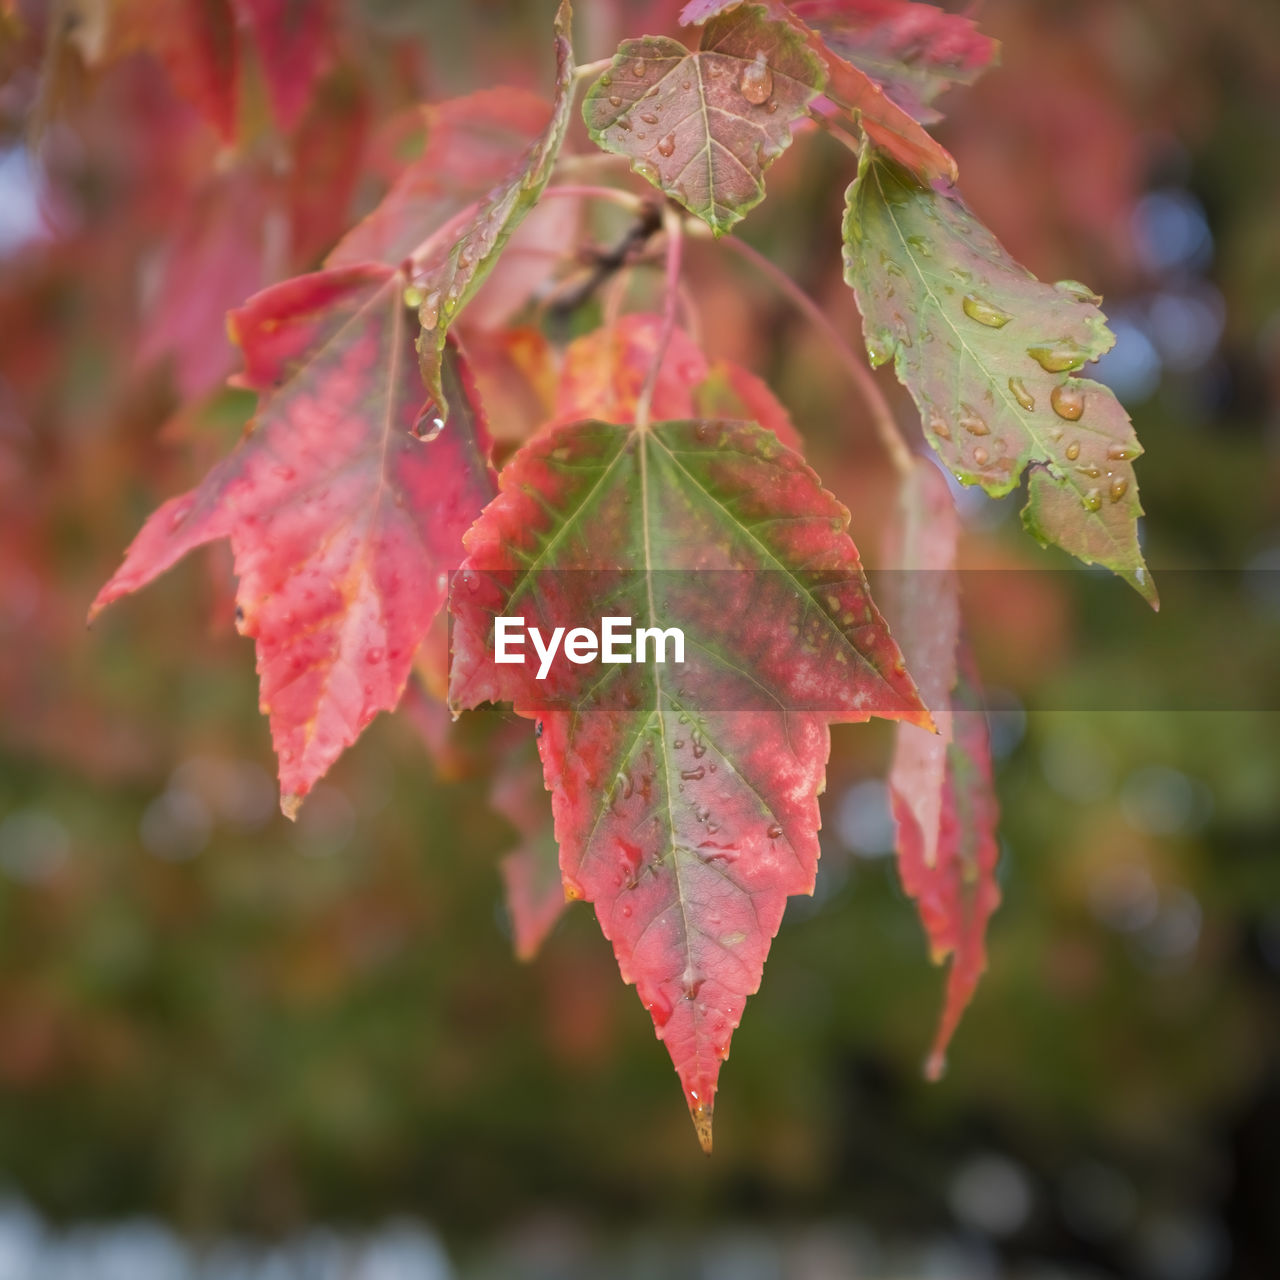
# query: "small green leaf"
703, 126
989, 355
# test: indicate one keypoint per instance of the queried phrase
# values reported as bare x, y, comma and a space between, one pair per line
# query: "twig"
881, 415
605, 263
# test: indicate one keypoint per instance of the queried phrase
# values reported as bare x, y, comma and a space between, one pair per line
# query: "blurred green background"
275, 1050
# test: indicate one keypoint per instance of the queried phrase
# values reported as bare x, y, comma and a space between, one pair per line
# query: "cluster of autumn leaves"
685, 802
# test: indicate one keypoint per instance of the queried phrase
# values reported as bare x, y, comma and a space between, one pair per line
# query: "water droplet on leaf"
1067, 401
428, 425
1073, 450
1092, 500
667, 145
1118, 489
973, 422
1021, 394
1080, 292
1059, 357
984, 312
756, 83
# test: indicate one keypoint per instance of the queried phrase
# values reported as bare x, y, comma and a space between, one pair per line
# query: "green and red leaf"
343, 526
685, 798
703, 126
989, 355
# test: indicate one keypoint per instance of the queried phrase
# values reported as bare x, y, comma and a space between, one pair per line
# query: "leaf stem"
674, 227
627, 199
589, 69
891, 437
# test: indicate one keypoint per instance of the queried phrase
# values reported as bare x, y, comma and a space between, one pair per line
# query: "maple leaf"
195, 40
924, 609
956, 892
531, 871
988, 353
450, 267
294, 43
685, 798
940, 784
878, 116
343, 526
913, 51
704, 126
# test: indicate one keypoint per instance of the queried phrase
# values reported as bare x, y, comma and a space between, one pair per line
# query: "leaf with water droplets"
913, 51
940, 784
343, 526
452, 264
988, 353
879, 117
685, 794
704, 125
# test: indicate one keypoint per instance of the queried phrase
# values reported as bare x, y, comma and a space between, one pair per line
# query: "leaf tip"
290, 804
701, 1114
935, 1066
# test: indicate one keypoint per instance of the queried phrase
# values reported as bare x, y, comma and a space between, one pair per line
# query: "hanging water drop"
984, 312
428, 425
756, 84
